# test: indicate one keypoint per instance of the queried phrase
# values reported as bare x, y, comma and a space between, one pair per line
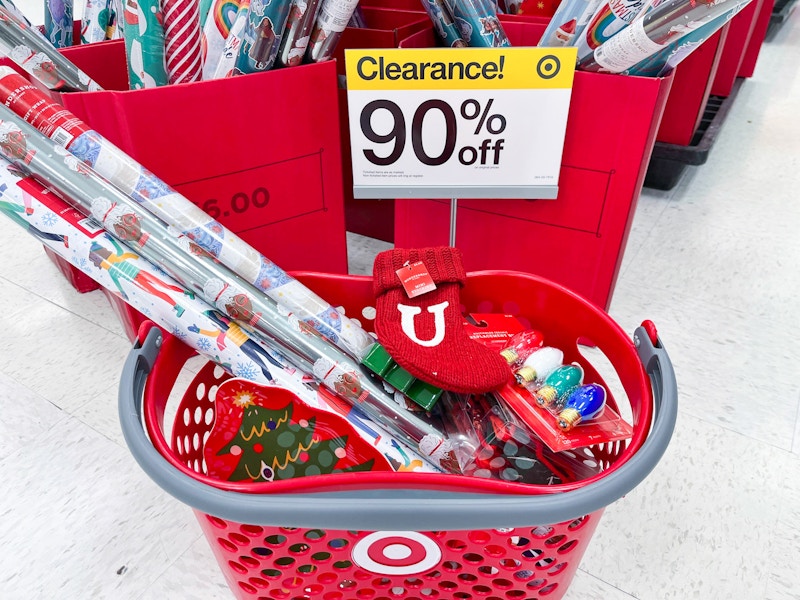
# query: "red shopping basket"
405, 535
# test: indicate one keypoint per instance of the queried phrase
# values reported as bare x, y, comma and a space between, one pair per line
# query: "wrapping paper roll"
182, 41
144, 43
27, 47
58, 22
12, 8
477, 20
444, 23
261, 38
218, 23
117, 20
609, 18
199, 272
332, 20
96, 21
568, 22
302, 15
118, 268
227, 59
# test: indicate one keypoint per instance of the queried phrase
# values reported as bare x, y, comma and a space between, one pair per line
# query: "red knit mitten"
425, 334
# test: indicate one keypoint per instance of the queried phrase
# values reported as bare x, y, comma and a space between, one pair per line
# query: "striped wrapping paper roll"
182, 41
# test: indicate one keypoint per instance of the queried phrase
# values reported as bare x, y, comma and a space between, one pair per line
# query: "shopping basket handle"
400, 509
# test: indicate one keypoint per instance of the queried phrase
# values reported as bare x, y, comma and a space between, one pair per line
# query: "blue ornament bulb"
583, 404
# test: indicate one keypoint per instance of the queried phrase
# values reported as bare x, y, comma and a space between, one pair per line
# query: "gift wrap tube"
444, 23
28, 48
12, 8
477, 20
568, 22
216, 27
332, 20
58, 22
226, 63
96, 21
302, 15
610, 17
262, 35
182, 51
38, 156
78, 240
168, 205
144, 43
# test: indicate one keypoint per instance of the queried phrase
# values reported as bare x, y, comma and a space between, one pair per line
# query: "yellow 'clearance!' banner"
460, 68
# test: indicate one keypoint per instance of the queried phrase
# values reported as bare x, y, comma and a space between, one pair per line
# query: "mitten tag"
415, 279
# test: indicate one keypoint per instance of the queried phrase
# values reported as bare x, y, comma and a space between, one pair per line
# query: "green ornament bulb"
558, 384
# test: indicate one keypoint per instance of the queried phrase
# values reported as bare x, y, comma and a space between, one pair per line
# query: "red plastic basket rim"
408, 480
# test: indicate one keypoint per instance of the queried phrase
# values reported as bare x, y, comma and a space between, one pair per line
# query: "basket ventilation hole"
200, 391
209, 418
542, 532
249, 561
533, 553
259, 583
230, 547
518, 542
198, 415
451, 565
292, 583
579, 522
515, 594
314, 534
479, 537
217, 522
413, 582
338, 543
448, 585
247, 587
238, 538
271, 573
462, 596
251, 530
557, 569
523, 575
299, 548
429, 593
502, 584
313, 589
279, 593
284, 561
433, 575
457, 545
179, 443
536, 583
275, 540
321, 556
467, 577
187, 416
333, 596
548, 589
347, 584
568, 546
326, 578
362, 575
342, 564
237, 567
261, 551
495, 550
382, 582
473, 558
488, 570
307, 569
365, 593
481, 590
545, 562
555, 540
510, 563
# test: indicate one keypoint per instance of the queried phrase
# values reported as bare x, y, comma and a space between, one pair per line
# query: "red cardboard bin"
270, 136
763, 20
740, 31
578, 239
691, 86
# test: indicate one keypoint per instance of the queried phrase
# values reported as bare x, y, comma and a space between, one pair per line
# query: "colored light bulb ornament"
558, 384
522, 345
584, 403
539, 365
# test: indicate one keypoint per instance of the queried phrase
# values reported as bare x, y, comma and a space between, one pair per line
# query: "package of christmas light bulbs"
553, 399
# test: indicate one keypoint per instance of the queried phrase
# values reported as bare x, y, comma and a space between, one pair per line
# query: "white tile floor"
714, 263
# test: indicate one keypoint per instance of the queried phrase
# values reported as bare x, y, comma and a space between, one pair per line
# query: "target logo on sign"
396, 553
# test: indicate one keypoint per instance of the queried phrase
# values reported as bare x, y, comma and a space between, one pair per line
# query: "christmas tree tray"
264, 433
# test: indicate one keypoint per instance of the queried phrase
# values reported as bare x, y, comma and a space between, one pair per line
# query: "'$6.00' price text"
487, 151
239, 203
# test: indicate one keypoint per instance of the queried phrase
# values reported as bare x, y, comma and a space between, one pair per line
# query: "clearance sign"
458, 123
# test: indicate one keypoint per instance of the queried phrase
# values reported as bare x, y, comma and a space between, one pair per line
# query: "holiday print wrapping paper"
58, 22
302, 15
182, 41
96, 21
202, 274
444, 23
217, 26
81, 242
28, 48
332, 20
226, 62
477, 20
261, 37
144, 43
155, 196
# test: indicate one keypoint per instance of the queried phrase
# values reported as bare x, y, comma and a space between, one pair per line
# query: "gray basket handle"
399, 509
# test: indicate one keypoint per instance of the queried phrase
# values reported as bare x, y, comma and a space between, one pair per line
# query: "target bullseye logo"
396, 553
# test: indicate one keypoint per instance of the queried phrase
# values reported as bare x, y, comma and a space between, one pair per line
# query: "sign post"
458, 123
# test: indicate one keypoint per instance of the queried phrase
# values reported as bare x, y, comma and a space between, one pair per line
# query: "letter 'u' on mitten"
425, 334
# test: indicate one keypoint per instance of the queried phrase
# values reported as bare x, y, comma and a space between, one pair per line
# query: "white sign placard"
458, 123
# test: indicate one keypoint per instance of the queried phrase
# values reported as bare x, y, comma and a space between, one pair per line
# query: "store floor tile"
714, 262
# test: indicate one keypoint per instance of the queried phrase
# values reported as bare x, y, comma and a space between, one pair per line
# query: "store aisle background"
713, 262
